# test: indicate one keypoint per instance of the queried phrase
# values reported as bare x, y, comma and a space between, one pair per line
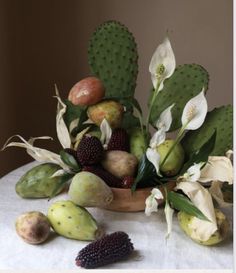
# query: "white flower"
169, 216
162, 64
106, 132
151, 202
158, 138
165, 119
154, 157
193, 173
194, 112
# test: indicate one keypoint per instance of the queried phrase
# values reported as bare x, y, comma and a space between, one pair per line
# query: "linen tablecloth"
146, 233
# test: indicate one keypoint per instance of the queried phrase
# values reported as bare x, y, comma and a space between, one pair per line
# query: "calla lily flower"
194, 112
106, 132
162, 64
151, 202
154, 157
169, 217
165, 119
193, 173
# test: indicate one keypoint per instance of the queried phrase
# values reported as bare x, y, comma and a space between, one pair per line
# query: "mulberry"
90, 150
108, 249
119, 140
108, 178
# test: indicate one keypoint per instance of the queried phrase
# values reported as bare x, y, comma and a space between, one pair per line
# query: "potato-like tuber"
33, 227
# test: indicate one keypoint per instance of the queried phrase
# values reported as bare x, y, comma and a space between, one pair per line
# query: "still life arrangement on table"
110, 160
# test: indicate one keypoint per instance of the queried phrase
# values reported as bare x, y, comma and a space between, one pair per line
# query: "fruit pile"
106, 144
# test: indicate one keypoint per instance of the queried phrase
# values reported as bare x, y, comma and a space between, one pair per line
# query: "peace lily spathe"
193, 173
163, 125
151, 202
194, 112
162, 64
106, 132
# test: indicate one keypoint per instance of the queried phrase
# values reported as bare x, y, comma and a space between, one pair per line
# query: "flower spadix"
151, 202
162, 64
194, 112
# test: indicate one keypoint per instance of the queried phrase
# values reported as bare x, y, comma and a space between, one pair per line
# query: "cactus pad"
220, 119
186, 82
113, 58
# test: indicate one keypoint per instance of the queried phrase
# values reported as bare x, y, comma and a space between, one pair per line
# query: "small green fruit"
174, 161
38, 183
222, 223
72, 221
138, 142
89, 190
33, 227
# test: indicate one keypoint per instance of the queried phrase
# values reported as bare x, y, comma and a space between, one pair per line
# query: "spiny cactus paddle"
113, 58
220, 119
186, 82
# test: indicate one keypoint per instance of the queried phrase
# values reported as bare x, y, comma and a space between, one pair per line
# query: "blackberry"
119, 140
127, 182
108, 178
108, 249
90, 150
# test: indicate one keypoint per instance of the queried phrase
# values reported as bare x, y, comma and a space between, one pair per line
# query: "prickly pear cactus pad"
113, 58
220, 119
186, 82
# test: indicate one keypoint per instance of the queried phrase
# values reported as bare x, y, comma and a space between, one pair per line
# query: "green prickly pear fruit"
89, 190
38, 182
222, 223
33, 227
138, 142
111, 110
175, 159
72, 221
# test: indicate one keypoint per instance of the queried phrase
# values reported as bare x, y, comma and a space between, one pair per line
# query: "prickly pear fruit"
138, 142
73, 221
33, 227
89, 190
174, 161
87, 92
111, 110
222, 223
38, 183
120, 163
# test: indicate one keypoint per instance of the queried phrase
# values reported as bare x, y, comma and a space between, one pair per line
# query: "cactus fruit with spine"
220, 119
186, 82
113, 58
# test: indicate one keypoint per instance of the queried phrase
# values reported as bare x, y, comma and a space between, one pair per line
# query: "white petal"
217, 194
157, 193
194, 172
194, 112
106, 131
164, 56
73, 124
169, 216
154, 157
165, 119
62, 131
151, 205
158, 138
201, 198
218, 168
59, 173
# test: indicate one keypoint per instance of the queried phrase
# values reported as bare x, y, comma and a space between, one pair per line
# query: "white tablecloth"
147, 235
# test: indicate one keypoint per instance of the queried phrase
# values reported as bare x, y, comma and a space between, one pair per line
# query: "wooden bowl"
126, 201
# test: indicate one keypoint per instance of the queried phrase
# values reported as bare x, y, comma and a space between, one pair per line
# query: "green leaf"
202, 154
64, 178
70, 161
72, 112
182, 203
129, 121
146, 171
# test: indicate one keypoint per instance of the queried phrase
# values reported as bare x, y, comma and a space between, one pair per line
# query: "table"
147, 235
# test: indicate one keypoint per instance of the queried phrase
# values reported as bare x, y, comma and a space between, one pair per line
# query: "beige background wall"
45, 42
